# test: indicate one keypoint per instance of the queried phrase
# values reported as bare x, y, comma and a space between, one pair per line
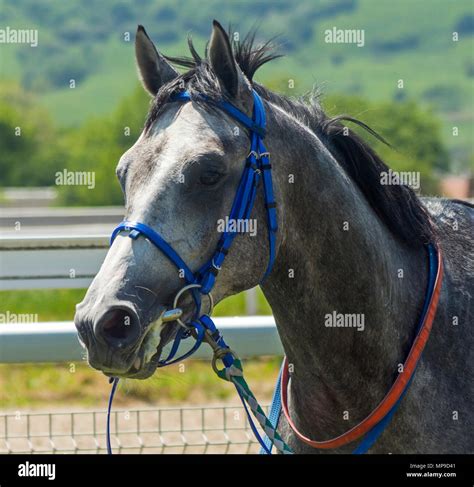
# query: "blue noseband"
257, 166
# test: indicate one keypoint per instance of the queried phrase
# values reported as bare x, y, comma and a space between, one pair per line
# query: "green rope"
235, 374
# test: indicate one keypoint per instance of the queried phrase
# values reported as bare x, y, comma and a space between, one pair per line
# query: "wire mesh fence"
213, 429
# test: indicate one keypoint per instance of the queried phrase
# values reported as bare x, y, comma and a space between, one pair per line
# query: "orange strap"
395, 391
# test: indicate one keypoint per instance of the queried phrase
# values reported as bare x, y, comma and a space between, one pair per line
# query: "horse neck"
336, 256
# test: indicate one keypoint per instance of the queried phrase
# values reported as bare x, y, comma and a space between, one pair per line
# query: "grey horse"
346, 245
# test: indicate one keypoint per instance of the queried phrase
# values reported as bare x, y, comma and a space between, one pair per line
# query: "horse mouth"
146, 355
141, 361
150, 348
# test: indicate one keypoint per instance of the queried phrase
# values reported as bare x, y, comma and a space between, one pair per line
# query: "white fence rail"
28, 220
250, 336
50, 262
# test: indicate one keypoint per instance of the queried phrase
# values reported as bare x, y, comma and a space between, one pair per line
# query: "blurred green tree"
97, 146
30, 152
414, 134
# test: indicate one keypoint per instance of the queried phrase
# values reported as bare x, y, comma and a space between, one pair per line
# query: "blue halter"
257, 166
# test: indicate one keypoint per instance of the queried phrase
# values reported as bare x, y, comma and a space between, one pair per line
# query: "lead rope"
235, 374
232, 372
114, 381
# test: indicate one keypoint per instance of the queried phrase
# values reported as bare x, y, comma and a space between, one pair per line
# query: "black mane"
397, 205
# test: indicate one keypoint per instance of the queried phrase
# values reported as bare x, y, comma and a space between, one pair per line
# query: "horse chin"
144, 373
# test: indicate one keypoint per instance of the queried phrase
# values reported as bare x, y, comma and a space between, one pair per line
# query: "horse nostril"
118, 327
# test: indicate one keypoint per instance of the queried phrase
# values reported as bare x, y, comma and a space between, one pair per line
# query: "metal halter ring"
181, 292
219, 353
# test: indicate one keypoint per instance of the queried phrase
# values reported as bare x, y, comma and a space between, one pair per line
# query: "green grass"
49, 305
192, 382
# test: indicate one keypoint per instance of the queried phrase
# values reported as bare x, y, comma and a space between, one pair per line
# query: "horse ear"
222, 59
153, 68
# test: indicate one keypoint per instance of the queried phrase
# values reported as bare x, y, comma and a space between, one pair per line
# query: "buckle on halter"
258, 155
215, 266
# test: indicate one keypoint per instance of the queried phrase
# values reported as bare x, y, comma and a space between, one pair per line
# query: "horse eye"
209, 178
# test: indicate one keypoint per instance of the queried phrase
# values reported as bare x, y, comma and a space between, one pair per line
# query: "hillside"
92, 42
